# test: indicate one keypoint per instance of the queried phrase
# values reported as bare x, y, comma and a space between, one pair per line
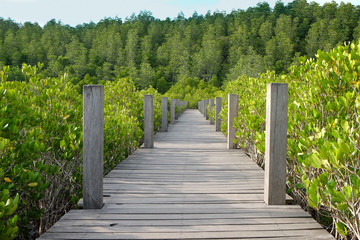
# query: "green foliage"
216, 48
8, 221
41, 144
40, 134
192, 90
323, 130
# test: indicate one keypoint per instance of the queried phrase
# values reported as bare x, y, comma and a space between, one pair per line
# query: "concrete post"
211, 109
233, 103
217, 112
164, 118
172, 111
275, 143
148, 121
93, 146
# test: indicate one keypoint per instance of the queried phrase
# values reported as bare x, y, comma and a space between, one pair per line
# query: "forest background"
216, 48
191, 59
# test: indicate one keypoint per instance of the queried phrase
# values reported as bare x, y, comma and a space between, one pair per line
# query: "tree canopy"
216, 47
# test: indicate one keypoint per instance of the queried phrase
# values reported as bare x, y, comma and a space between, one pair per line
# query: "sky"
74, 12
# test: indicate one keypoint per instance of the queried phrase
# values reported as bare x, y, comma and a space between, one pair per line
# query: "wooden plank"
315, 234
118, 228
188, 187
180, 222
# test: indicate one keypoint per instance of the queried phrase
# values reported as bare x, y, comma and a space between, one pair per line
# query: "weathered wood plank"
188, 187
306, 234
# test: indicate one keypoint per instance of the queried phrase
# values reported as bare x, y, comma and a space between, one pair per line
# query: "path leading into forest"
188, 187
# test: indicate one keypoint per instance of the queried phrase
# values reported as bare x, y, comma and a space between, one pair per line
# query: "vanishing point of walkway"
188, 187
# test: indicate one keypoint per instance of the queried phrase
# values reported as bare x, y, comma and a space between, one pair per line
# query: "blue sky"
74, 12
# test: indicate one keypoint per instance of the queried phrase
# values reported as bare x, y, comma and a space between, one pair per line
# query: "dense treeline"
216, 47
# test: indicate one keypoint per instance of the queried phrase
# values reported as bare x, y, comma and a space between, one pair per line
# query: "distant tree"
77, 55
132, 48
251, 64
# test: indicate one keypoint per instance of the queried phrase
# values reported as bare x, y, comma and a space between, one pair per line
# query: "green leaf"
315, 161
344, 147
313, 196
62, 144
341, 228
347, 192
324, 177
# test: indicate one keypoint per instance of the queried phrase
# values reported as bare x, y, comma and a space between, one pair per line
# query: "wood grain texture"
275, 143
188, 187
164, 116
172, 111
206, 109
212, 104
233, 105
217, 113
148, 121
93, 145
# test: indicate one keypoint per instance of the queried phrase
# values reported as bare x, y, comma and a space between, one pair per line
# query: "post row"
93, 138
275, 140
214, 105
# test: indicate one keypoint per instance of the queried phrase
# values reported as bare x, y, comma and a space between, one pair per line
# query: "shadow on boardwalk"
188, 187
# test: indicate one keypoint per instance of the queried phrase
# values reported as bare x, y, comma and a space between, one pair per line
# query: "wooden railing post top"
277, 84
93, 85
87, 89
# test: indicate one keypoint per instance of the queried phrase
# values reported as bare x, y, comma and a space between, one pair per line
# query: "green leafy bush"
192, 90
41, 145
323, 130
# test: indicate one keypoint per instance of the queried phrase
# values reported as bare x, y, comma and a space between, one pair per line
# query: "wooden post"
275, 143
211, 109
177, 104
233, 103
203, 107
148, 121
217, 112
206, 111
164, 107
93, 146
172, 111
204, 102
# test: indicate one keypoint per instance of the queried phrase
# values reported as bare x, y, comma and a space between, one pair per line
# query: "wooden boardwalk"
188, 187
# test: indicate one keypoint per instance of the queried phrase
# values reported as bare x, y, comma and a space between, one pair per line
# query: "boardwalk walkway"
188, 187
